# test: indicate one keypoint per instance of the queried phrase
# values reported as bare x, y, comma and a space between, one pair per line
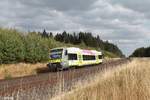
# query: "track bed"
24, 86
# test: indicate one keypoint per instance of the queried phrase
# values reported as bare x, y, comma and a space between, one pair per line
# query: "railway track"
43, 81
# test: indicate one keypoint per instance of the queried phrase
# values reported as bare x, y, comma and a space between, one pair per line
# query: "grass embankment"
15, 47
109, 55
128, 82
8, 71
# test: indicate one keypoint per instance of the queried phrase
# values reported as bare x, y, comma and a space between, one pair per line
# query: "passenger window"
89, 57
72, 56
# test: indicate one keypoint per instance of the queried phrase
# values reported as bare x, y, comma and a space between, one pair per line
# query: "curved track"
7, 87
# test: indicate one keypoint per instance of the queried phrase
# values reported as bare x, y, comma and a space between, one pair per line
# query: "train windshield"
56, 54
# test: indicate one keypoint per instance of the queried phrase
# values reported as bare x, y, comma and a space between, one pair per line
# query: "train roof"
76, 50
83, 51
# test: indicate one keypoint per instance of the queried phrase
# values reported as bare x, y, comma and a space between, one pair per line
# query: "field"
127, 82
8, 71
51, 84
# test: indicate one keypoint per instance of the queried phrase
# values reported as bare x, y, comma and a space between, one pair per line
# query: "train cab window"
89, 57
66, 53
100, 56
72, 56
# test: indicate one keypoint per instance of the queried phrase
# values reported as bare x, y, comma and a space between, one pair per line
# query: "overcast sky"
123, 22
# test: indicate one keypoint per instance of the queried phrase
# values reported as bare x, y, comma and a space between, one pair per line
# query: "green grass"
109, 54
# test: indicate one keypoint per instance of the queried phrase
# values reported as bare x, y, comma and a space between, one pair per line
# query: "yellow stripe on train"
55, 60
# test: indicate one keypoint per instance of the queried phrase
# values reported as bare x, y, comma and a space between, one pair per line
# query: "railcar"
66, 57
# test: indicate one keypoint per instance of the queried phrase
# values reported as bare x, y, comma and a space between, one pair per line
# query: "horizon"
124, 23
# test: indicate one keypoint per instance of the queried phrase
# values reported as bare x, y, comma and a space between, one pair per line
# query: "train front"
55, 59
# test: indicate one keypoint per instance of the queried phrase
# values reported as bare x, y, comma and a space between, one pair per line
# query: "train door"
65, 59
80, 59
97, 59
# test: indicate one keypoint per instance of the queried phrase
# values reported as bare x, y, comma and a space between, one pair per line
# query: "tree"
58, 37
44, 34
65, 37
36, 48
89, 40
147, 52
51, 34
141, 52
100, 42
11, 46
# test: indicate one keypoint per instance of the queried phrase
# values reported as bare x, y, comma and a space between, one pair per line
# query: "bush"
36, 48
16, 47
31, 47
11, 46
1, 54
141, 52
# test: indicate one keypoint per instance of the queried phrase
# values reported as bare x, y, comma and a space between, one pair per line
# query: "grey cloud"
137, 5
115, 20
62, 5
141, 6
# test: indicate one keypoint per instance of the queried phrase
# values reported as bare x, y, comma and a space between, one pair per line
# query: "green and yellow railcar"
66, 57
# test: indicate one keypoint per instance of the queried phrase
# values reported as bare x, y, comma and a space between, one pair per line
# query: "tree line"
141, 52
34, 47
18, 47
88, 39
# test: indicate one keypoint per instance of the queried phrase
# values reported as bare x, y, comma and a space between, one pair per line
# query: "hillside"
34, 47
141, 52
125, 82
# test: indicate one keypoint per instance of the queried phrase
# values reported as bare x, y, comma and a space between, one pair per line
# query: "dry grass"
19, 70
128, 82
24, 69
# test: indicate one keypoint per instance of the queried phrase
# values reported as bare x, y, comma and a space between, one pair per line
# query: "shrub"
16, 47
11, 46
31, 47
36, 48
